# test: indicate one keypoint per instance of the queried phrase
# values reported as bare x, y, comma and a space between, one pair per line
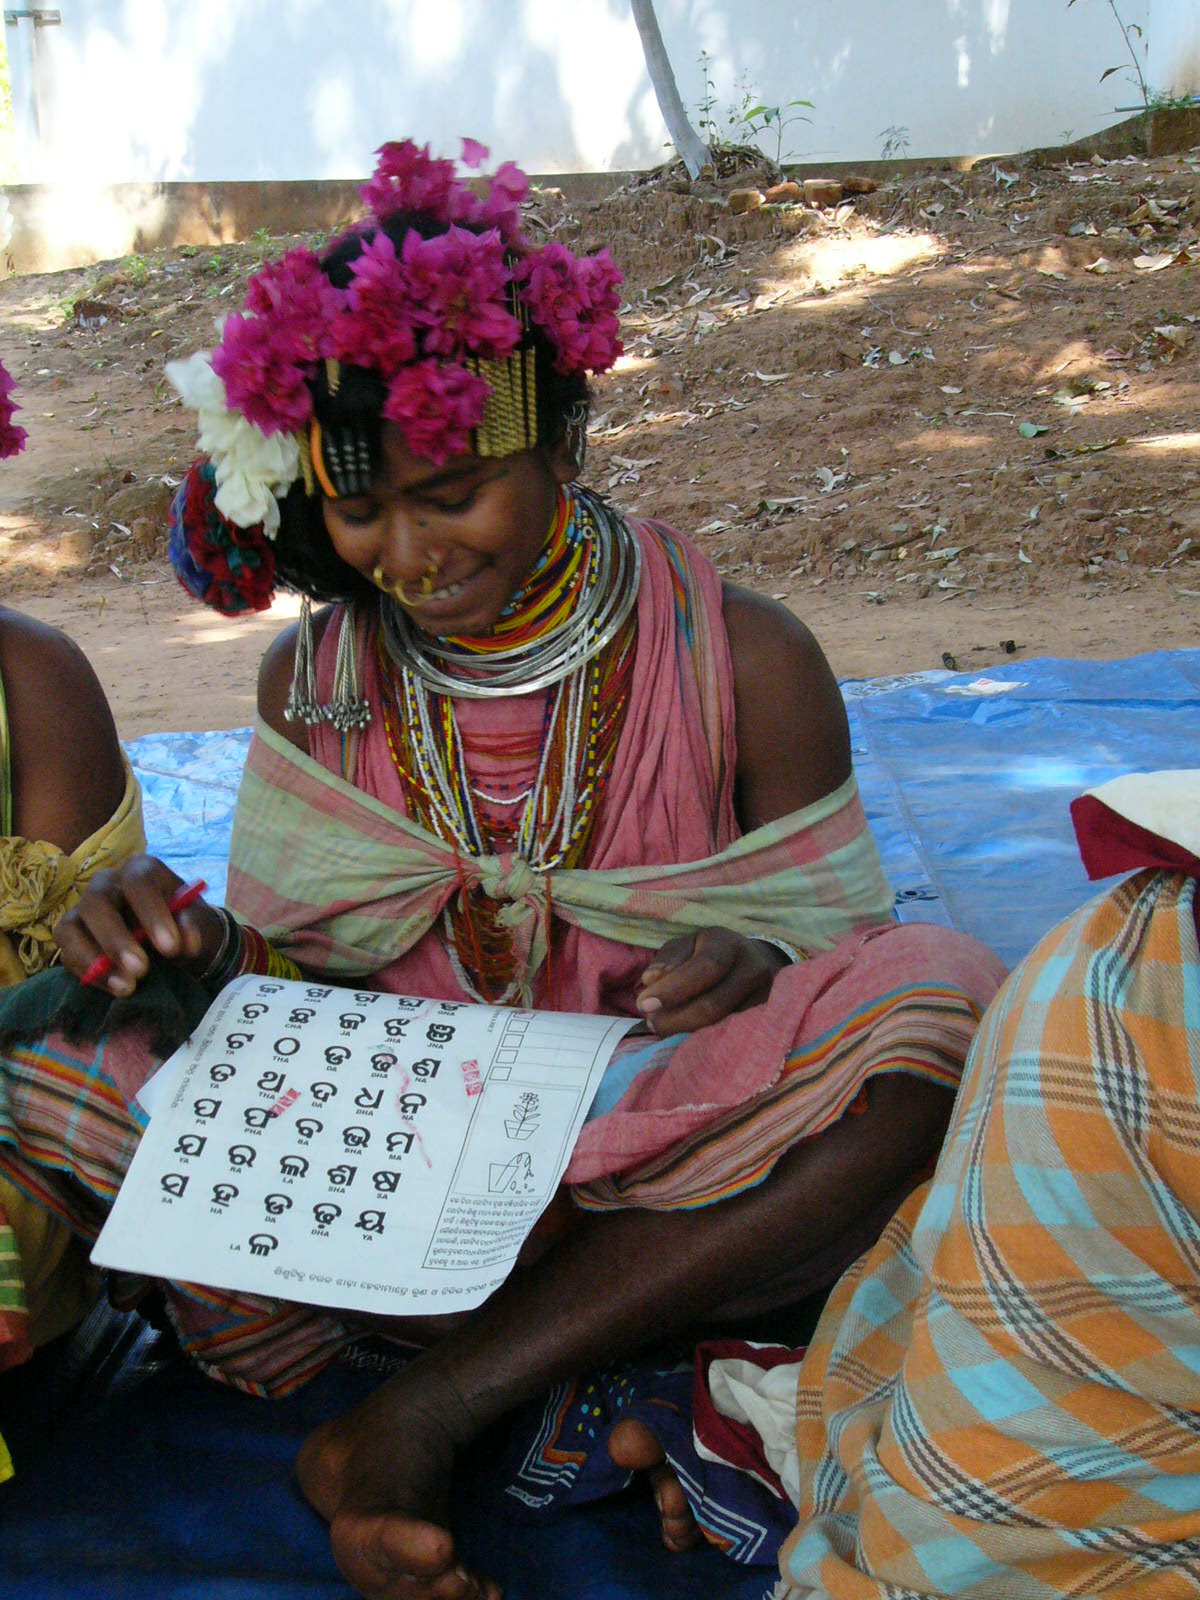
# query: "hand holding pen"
102, 966
132, 910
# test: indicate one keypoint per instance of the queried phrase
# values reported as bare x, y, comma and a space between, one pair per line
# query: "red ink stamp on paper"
284, 1101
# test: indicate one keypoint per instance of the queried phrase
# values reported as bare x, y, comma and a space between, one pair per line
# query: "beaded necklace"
581, 727
570, 609
547, 596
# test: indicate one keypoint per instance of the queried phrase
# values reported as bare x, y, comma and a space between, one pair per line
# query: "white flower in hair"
251, 469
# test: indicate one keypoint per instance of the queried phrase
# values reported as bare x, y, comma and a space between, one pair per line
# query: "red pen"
102, 966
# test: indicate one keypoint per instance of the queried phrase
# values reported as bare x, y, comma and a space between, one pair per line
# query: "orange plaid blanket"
1002, 1399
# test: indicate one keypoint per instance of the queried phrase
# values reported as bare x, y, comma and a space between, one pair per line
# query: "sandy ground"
952, 422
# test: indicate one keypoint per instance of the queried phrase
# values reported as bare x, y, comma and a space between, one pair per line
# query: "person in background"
1000, 1400
69, 805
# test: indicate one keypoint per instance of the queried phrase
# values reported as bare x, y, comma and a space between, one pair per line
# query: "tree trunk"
686, 140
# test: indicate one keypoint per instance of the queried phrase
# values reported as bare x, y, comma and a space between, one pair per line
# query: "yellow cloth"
38, 882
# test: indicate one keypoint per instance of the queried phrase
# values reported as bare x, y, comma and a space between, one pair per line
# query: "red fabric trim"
1109, 843
734, 1442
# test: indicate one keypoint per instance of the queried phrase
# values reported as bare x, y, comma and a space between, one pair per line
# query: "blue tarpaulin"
140, 1479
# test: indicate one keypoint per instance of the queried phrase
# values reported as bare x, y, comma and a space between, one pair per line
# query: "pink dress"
669, 795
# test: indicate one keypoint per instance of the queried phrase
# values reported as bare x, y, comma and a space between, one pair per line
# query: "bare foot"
633, 1447
380, 1476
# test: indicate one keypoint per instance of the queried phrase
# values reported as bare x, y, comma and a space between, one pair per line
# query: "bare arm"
138, 891
792, 734
67, 774
793, 747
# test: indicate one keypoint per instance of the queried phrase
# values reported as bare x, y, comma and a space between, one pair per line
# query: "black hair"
305, 559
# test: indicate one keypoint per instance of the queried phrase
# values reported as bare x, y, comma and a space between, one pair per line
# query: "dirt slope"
953, 418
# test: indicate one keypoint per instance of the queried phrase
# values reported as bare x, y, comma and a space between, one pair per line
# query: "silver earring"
576, 435
346, 709
302, 697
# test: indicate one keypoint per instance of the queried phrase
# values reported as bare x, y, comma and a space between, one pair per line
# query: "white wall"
964, 77
1174, 56
139, 90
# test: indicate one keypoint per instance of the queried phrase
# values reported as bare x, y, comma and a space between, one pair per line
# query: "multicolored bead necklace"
548, 595
574, 603
581, 727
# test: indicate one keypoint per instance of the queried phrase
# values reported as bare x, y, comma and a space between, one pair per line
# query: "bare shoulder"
275, 679
67, 774
792, 735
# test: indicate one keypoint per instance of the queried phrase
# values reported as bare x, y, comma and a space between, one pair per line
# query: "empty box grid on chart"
543, 1049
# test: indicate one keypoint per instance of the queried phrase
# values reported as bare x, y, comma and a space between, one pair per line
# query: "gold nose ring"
397, 590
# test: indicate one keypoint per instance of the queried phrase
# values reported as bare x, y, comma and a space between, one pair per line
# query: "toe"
668, 1493
633, 1447
678, 1524
680, 1533
457, 1584
386, 1555
319, 1467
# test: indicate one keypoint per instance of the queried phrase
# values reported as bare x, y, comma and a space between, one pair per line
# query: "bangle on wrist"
789, 950
260, 956
225, 963
242, 950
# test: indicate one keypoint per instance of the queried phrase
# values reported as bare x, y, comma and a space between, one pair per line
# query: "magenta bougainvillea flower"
501, 207
408, 178
419, 315
295, 289
436, 406
262, 363
376, 327
457, 285
574, 302
12, 437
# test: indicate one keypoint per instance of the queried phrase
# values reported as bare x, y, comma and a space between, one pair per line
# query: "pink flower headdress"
434, 319
12, 437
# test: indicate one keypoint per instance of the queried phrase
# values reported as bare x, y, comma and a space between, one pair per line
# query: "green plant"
137, 269
706, 121
1161, 101
754, 118
895, 142
1128, 29
749, 119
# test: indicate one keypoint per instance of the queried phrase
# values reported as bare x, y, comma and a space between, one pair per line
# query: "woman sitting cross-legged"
534, 752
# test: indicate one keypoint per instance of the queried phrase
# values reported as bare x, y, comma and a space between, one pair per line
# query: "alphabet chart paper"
355, 1149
